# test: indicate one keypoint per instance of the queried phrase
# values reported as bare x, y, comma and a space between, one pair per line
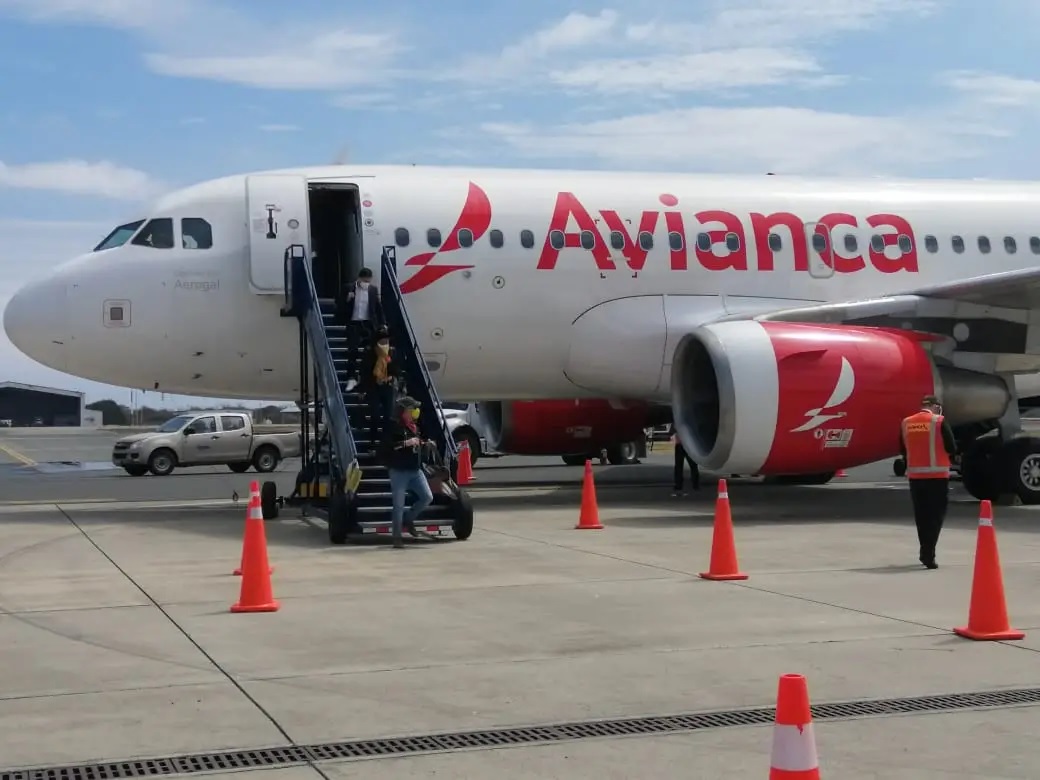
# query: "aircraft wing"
996, 317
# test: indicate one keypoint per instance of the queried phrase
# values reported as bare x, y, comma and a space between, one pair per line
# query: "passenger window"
557, 239
675, 241
646, 241
958, 244
587, 239
433, 237
157, 234
617, 239
1034, 245
196, 233
732, 242
401, 237
931, 243
877, 243
775, 242
819, 242
205, 425
905, 244
497, 239
704, 242
851, 244
984, 245
232, 422
465, 237
526, 239
1009, 245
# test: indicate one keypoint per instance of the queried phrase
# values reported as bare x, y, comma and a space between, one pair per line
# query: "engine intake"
790, 398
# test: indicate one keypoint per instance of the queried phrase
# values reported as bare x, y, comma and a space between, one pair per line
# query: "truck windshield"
175, 424
119, 236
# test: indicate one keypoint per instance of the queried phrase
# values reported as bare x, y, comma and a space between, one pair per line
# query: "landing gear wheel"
136, 471
339, 518
265, 459
622, 454
899, 467
239, 468
463, 511
575, 460
980, 469
162, 463
1020, 465
269, 500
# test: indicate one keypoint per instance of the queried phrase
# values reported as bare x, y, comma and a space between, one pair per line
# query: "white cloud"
994, 89
80, 177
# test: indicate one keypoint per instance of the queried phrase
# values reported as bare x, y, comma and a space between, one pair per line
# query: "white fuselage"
516, 319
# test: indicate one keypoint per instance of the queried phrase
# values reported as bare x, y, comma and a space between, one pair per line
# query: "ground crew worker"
681, 459
927, 444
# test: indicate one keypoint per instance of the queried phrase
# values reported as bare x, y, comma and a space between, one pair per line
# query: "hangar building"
23, 406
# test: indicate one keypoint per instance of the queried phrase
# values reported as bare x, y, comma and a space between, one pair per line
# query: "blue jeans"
400, 483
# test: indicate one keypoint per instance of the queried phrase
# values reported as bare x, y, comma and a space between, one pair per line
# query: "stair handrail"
391, 291
304, 297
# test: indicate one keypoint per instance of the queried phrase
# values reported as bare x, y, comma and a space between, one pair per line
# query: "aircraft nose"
36, 321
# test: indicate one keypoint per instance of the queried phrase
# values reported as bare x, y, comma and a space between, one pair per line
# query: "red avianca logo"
475, 217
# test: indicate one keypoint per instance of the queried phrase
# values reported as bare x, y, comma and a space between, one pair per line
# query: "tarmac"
120, 647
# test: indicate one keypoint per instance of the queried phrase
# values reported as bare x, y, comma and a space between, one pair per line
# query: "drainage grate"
492, 738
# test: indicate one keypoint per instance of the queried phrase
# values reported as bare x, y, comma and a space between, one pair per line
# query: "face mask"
414, 413
384, 346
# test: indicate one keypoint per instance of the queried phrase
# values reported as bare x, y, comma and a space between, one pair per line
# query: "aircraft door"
821, 250
278, 216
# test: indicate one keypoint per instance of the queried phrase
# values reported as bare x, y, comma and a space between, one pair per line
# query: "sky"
105, 104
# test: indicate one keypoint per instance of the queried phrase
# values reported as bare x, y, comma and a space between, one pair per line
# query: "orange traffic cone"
465, 464
589, 518
723, 565
255, 594
254, 494
987, 614
794, 745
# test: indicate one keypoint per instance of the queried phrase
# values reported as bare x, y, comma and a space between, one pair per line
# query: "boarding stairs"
340, 475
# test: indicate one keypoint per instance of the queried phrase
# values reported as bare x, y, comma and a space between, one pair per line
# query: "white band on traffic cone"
794, 748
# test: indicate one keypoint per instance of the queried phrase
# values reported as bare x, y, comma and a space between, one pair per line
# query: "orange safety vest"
926, 456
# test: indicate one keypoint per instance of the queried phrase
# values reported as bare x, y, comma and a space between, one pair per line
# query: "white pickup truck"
204, 439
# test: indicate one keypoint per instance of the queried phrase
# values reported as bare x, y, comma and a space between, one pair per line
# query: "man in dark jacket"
363, 311
379, 375
681, 459
404, 462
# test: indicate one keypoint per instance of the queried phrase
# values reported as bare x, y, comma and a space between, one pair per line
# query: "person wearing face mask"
928, 445
379, 374
404, 463
365, 311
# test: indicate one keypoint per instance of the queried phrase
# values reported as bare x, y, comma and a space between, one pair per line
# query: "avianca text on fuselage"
726, 231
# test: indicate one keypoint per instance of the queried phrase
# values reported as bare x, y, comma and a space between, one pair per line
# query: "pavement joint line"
11, 452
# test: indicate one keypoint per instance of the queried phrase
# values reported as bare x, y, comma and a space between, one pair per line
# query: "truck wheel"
269, 500
468, 437
136, 471
162, 462
239, 468
622, 454
265, 459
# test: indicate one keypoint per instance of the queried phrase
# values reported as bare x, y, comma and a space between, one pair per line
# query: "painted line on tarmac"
100, 504
10, 452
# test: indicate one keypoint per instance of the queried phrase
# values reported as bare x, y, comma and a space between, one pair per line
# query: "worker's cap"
930, 400
407, 402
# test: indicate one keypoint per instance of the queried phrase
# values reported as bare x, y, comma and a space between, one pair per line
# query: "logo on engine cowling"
842, 390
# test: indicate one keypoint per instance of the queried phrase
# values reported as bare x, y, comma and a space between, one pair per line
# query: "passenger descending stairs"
356, 492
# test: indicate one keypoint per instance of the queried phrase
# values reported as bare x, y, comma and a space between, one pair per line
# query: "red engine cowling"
561, 427
788, 398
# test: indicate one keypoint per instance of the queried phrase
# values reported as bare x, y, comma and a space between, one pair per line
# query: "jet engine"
789, 398
559, 427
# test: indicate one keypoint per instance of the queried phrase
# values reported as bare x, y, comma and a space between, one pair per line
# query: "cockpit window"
196, 233
158, 234
119, 236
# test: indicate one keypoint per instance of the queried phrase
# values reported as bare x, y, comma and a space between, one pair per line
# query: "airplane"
785, 324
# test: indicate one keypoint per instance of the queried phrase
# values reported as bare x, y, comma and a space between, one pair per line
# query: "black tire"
269, 500
575, 460
462, 435
339, 518
265, 459
136, 471
980, 472
462, 509
623, 454
899, 467
162, 462
1019, 464
239, 468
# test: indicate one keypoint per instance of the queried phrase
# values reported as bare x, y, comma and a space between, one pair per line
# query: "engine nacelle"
788, 398
562, 427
